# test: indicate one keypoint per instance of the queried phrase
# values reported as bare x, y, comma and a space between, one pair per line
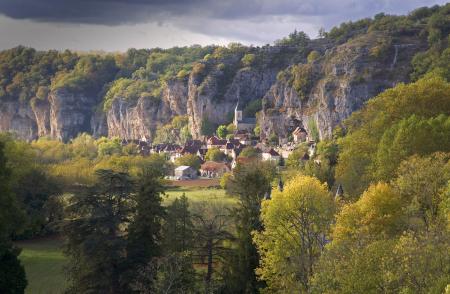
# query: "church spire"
339, 191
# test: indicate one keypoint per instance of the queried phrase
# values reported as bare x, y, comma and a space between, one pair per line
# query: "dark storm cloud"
116, 24
114, 12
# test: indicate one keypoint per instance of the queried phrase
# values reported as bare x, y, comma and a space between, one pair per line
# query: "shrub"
248, 59
312, 56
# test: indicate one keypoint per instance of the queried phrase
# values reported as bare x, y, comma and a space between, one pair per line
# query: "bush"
207, 127
313, 56
248, 59
189, 160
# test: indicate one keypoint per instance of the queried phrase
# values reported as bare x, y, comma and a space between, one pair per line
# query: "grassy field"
44, 265
197, 194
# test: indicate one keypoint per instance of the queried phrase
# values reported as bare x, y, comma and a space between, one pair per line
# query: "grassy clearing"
44, 265
198, 194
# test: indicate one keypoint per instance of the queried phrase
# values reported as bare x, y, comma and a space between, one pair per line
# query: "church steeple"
339, 191
237, 112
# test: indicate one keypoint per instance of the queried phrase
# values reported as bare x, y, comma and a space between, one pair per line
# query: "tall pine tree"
144, 232
250, 183
95, 236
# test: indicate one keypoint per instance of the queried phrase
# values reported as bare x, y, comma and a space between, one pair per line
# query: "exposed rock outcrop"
342, 79
70, 114
18, 118
348, 75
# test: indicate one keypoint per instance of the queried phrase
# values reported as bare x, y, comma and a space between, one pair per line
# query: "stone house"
212, 169
300, 135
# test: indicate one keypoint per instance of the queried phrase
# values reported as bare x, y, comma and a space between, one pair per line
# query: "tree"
249, 152
178, 227
395, 237
207, 128
248, 59
144, 231
313, 56
231, 128
191, 160
250, 183
222, 131
38, 194
420, 182
296, 225
384, 116
409, 136
295, 159
95, 239
12, 273
109, 146
171, 274
214, 154
211, 234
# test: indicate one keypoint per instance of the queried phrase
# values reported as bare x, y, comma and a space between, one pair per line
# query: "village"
238, 148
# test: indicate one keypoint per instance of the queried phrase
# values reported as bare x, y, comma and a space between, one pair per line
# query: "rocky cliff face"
206, 103
18, 118
346, 77
341, 80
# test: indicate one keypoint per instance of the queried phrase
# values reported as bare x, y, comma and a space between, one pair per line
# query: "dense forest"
369, 212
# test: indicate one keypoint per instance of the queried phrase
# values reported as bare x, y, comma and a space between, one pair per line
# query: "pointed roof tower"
339, 191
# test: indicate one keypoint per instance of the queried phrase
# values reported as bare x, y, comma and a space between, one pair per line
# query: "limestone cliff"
337, 82
344, 78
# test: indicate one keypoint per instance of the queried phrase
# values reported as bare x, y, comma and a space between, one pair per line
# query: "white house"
271, 155
185, 172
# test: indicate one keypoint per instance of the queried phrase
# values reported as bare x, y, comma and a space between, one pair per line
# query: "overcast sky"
116, 25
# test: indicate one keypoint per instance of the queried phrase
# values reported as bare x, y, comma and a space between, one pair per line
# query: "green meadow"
44, 265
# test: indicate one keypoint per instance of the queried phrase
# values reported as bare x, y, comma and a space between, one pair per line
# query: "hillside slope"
296, 82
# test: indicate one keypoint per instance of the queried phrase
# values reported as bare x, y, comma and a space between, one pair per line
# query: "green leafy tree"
214, 154
222, 131
313, 56
295, 159
207, 128
39, 195
191, 160
395, 237
109, 146
12, 273
249, 152
248, 59
410, 136
296, 225
425, 99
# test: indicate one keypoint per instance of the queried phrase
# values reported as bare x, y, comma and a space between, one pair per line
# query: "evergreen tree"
211, 233
12, 273
250, 183
178, 227
144, 232
95, 237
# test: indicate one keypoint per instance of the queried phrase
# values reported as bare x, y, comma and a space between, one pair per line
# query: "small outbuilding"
185, 172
